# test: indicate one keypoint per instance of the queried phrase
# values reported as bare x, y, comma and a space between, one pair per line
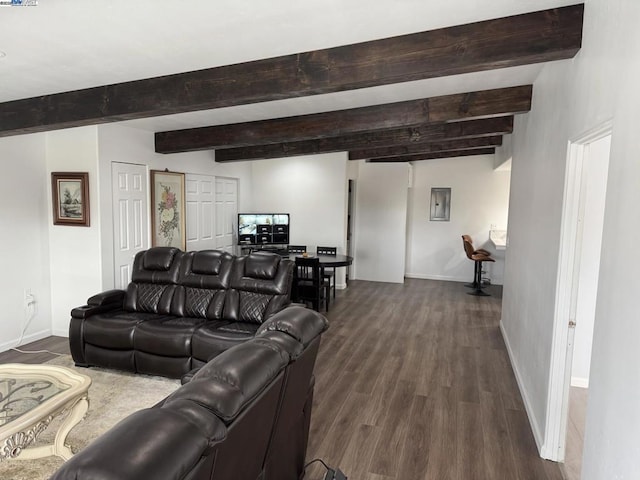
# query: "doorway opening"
576, 296
350, 224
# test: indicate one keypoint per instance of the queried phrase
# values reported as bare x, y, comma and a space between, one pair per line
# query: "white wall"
570, 98
63, 265
381, 221
504, 153
479, 198
313, 190
24, 216
75, 252
129, 145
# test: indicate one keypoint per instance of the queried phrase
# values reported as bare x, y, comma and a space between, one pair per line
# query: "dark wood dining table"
327, 260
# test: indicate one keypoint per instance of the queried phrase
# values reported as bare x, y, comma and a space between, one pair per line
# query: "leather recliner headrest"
208, 262
159, 265
262, 265
159, 258
230, 381
206, 269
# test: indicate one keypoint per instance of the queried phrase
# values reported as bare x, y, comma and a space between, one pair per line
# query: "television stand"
279, 249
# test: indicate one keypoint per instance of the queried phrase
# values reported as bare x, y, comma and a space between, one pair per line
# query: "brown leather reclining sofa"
245, 354
243, 416
180, 310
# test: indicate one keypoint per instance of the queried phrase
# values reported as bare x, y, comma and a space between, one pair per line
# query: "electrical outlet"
29, 297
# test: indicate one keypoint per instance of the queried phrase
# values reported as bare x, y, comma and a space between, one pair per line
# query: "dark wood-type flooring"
413, 382
53, 344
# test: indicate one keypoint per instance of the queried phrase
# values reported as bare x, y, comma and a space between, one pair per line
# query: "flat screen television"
263, 228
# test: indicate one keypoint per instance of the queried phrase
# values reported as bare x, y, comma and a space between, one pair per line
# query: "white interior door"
226, 213
130, 217
571, 240
200, 200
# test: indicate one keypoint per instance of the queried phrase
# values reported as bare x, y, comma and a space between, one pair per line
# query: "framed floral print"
168, 209
70, 198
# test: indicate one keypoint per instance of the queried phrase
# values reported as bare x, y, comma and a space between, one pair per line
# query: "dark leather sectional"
245, 354
180, 310
242, 416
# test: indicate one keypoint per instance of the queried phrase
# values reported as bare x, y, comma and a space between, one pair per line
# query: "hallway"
413, 382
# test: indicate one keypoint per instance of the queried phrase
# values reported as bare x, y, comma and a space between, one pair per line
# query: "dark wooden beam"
379, 139
397, 151
447, 108
535, 37
432, 156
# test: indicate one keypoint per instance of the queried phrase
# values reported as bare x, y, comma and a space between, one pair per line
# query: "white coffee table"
31, 396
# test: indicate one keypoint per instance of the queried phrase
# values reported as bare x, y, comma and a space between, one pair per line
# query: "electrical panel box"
440, 204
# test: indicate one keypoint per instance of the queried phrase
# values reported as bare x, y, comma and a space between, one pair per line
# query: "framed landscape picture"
168, 227
70, 192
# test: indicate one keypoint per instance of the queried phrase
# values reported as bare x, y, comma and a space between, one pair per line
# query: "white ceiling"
62, 45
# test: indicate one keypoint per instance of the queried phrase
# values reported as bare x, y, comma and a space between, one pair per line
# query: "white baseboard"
32, 337
523, 392
444, 278
580, 382
60, 333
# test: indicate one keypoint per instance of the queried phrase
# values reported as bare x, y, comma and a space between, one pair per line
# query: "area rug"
112, 396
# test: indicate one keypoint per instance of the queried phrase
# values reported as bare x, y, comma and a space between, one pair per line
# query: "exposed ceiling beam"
382, 138
535, 37
433, 156
397, 151
447, 108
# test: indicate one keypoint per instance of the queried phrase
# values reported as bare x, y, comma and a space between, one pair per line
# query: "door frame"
566, 290
350, 243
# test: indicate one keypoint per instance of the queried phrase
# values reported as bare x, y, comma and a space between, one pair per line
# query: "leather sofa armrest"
106, 298
86, 311
102, 302
153, 443
301, 323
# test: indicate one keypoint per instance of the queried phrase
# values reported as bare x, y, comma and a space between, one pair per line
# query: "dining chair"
312, 287
301, 272
329, 273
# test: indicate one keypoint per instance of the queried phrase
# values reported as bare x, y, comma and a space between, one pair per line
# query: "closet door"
200, 201
226, 213
130, 217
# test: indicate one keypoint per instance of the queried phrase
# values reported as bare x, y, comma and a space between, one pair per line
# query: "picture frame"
168, 212
70, 198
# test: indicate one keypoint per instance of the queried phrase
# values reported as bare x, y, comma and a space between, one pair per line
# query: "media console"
246, 248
